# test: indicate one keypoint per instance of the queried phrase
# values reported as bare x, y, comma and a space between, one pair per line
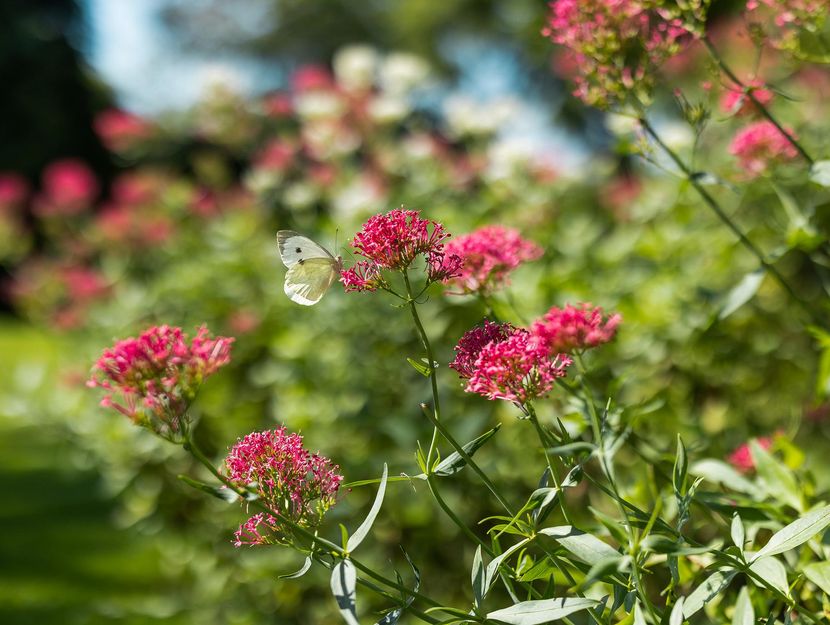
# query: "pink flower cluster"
783, 19
574, 328
488, 256
393, 241
120, 130
157, 375
69, 187
735, 101
501, 361
741, 458
615, 46
759, 146
291, 481
14, 190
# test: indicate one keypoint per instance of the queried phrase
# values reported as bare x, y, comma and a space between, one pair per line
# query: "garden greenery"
623, 482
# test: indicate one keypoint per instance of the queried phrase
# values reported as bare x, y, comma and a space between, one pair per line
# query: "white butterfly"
311, 268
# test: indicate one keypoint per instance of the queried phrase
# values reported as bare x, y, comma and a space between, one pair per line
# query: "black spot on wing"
301, 261
298, 250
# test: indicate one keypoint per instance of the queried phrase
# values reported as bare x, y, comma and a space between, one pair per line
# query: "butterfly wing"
294, 248
307, 280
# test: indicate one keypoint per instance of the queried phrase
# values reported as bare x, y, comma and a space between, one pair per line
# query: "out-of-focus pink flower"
120, 130
470, 345
574, 328
783, 19
311, 77
244, 321
156, 376
619, 192
83, 283
14, 190
275, 156
291, 481
488, 256
394, 239
760, 145
741, 458
126, 224
516, 369
278, 105
616, 45
735, 101
69, 188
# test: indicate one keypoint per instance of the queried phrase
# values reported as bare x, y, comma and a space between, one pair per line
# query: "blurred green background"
449, 108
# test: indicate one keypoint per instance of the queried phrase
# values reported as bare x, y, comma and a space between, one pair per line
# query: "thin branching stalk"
713, 51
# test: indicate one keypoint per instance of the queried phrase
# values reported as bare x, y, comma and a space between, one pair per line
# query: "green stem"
727, 221
710, 47
544, 440
312, 538
436, 402
472, 464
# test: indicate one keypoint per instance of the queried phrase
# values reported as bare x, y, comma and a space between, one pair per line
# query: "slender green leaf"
361, 532
772, 572
492, 569
220, 492
820, 173
455, 462
420, 367
708, 590
299, 572
819, 574
478, 577
681, 466
796, 533
737, 531
779, 481
343, 587
585, 547
542, 611
639, 619
719, 472
742, 292
676, 617
744, 613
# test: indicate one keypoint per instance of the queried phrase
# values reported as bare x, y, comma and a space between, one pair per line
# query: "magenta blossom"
759, 146
156, 376
615, 46
488, 256
515, 369
392, 241
69, 188
574, 328
741, 458
782, 20
120, 130
470, 345
290, 481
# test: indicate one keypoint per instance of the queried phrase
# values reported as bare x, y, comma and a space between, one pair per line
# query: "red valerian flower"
362, 276
741, 458
500, 361
574, 328
298, 485
760, 145
470, 345
736, 101
394, 239
488, 256
515, 369
69, 188
156, 376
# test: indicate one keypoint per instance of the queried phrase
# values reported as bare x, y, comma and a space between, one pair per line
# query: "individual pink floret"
741, 458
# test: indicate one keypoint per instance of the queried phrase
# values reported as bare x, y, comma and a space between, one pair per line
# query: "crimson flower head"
155, 377
392, 241
296, 484
488, 255
574, 328
500, 361
736, 101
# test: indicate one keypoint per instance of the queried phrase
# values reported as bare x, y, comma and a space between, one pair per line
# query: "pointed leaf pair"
543, 611
361, 532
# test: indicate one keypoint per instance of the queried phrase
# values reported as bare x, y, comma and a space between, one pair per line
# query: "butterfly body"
312, 269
